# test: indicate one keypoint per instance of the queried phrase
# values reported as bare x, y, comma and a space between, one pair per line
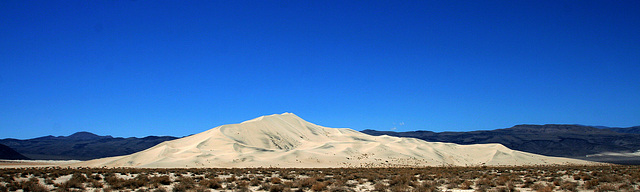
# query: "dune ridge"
286, 140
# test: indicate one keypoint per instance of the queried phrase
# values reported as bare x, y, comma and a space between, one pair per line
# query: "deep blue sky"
139, 68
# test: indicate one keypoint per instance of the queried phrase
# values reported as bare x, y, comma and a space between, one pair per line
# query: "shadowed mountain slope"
9, 154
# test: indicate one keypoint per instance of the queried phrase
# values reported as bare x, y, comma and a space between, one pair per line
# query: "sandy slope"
286, 140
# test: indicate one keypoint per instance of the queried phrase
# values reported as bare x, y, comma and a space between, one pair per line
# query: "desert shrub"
231, 179
481, 188
76, 181
319, 186
275, 180
255, 182
591, 184
276, 188
95, 177
160, 189
542, 188
306, 182
164, 180
427, 186
502, 180
606, 187
569, 186
626, 186
401, 180
528, 182
211, 183
184, 184
289, 184
49, 181
466, 184
33, 185
380, 187
341, 189
500, 189
264, 186
484, 182
95, 184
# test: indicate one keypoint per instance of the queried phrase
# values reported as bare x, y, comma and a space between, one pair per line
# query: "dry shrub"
184, 184
542, 188
210, 183
255, 182
502, 180
49, 181
231, 179
398, 187
319, 186
95, 184
164, 180
77, 181
380, 187
341, 189
500, 189
626, 186
276, 188
569, 186
160, 189
275, 180
466, 184
606, 187
591, 184
485, 182
306, 183
32, 185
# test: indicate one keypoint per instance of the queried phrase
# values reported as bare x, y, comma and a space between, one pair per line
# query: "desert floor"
521, 178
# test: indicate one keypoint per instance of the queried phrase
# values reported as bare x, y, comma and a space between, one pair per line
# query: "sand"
286, 140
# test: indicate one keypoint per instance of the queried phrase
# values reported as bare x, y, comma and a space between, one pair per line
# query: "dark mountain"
9, 154
634, 130
81, 146
573, 141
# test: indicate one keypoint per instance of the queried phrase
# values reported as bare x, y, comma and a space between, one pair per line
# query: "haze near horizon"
139, 68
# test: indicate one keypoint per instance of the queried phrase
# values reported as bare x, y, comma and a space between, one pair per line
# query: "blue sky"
139, 68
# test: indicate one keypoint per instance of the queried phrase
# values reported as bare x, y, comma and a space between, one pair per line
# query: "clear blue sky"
139, 68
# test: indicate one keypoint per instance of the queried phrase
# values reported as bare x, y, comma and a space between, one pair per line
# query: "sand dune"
286, 140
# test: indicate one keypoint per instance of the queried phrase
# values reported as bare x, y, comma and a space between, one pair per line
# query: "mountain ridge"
80, 146
560, 140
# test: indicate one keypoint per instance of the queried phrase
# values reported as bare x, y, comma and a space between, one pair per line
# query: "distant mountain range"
575, 141
634, 130
81, 146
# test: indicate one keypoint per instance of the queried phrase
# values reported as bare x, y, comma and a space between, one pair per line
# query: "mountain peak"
82, 135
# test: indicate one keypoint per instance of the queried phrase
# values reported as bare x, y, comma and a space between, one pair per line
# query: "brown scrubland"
481, 178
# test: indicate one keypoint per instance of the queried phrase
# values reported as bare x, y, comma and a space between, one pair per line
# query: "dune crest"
286, 140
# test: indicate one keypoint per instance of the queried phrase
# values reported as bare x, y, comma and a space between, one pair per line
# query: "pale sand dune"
286, 140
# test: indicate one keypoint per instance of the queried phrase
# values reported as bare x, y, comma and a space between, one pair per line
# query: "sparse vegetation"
523, 178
